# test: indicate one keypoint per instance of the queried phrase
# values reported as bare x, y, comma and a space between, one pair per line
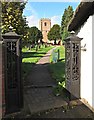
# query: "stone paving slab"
40, 76
41, 99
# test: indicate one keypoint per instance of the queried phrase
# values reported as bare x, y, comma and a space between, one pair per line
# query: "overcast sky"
34, 11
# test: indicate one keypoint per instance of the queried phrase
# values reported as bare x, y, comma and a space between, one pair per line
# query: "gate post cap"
73, 37
11, 34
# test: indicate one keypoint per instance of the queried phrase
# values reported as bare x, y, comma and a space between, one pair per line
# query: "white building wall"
86, 61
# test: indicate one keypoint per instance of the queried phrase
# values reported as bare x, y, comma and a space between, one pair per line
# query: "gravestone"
54, 56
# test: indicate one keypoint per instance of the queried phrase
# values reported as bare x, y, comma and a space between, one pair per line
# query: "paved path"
39, 89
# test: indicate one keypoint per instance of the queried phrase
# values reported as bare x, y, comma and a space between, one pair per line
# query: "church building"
45, 26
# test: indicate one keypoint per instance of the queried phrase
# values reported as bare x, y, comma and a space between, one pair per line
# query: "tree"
40, 36
68, 14
12, 16
54, 33
34, 35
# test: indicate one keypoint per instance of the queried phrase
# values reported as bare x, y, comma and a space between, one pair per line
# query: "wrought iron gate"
73, 57
13, 83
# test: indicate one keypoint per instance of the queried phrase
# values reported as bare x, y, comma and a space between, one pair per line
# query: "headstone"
54, 56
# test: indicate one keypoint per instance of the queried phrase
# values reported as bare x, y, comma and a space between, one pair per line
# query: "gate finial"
72, 32
10, 28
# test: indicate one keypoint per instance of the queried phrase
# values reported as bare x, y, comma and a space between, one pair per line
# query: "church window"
45, 24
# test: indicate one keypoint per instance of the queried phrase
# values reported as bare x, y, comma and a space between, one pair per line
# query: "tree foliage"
34, 35
68, 14
12, 16
54, 33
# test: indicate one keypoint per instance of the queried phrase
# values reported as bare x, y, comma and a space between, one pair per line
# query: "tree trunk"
54, 42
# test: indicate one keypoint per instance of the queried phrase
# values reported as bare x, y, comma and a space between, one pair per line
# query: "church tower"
45, 26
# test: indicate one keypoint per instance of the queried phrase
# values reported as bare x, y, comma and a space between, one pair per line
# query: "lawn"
57, 70
30, 57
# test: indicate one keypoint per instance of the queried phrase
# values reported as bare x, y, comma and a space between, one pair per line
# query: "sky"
34, 11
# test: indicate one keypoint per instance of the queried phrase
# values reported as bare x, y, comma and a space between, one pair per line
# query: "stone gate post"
13, 84
73, 63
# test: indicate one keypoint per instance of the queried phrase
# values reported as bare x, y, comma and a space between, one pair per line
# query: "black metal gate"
13, 83
73, 58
